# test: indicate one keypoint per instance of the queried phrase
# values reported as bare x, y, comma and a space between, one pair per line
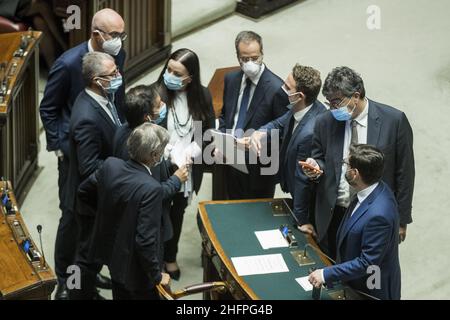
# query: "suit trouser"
179, 205
88, 268
66, 236
240, 187
336, 220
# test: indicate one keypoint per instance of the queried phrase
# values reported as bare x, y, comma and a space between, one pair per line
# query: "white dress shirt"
299, 115
102, 101
343, 198
255, 82
363, 194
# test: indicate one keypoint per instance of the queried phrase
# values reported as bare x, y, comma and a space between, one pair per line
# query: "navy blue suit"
369, 238
268, 103
128, 232
64, 84
296, 146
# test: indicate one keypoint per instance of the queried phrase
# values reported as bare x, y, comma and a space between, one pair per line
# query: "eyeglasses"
247, 59
115, 73
335, 103
122, 35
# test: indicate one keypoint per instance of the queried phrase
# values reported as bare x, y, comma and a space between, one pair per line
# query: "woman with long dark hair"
187, 102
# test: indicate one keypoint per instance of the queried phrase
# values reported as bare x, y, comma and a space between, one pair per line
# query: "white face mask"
251, 69
112, 46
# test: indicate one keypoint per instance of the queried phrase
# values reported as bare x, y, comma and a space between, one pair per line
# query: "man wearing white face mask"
252, 98
65, 82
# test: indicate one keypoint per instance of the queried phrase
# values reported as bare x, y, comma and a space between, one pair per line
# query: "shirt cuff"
322, 278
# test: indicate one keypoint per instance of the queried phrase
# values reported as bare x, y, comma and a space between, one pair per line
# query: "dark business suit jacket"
197, 169
297, 148
370, 238
91, 135
170, 184
127, 232
269, 102
65, 82
389, 130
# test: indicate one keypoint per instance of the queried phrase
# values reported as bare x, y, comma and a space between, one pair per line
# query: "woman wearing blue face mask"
187, 101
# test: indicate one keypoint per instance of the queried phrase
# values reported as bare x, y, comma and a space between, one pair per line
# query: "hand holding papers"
232, 151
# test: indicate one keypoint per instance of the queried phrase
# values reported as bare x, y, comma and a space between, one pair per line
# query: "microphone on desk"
39, 230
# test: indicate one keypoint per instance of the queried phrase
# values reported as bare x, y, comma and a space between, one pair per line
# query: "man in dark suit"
251, 99
128, 227
367, 258
296, 128
93, 124
65, 82
144, 104
355, 119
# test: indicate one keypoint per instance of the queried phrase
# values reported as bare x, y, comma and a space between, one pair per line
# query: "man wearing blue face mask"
354, 119
93, 124
302, 87
252, 98
65, 82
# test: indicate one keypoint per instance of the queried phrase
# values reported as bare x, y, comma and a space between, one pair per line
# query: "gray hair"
147, 142
248, 36
93, 65
343, 81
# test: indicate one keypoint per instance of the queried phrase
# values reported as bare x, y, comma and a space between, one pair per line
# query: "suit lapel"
258, 95
235, 91
374, 125
102, 112
359, 213
337, 146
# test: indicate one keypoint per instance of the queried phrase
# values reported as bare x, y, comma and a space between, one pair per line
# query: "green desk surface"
234, 225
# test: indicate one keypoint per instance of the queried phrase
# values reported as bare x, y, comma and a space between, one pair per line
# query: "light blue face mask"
342, 113
162, 114
173, 82
114, 85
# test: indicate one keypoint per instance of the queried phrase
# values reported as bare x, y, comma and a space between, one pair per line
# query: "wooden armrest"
167, 294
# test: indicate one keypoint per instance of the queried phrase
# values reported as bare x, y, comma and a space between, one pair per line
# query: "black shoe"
61, 292
175, 275
103, 282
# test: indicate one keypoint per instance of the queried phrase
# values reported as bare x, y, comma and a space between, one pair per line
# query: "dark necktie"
354, 139
243, 109
113, 110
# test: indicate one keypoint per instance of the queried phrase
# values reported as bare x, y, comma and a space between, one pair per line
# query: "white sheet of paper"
271, 239
234, 155
265, 264
306, 285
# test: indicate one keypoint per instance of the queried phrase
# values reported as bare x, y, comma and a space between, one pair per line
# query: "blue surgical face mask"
114, 85
173, 82
162, 114
291, 103
342, 114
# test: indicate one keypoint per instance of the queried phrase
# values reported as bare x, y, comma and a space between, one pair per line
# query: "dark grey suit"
389, 130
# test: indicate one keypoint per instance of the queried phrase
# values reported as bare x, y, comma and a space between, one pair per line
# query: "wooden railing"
19, 142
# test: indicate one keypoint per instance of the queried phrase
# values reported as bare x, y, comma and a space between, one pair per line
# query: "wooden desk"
19, 122
227, 230
21, 278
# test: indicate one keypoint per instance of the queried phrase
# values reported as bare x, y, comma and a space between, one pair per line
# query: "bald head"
108, 20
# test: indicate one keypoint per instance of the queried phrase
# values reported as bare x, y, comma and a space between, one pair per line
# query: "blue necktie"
243, 109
